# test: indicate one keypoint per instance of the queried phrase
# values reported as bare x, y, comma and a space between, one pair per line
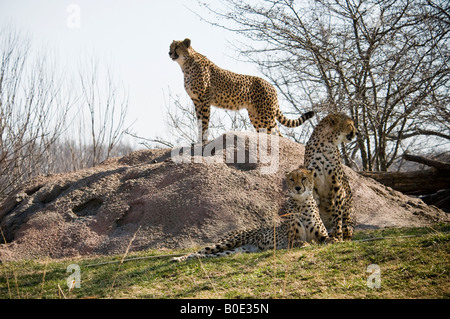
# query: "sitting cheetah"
331, 186
207, 85
302, 224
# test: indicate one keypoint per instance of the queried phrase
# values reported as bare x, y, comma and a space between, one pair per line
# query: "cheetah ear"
187, 42
286, 173
332, 120
312, 170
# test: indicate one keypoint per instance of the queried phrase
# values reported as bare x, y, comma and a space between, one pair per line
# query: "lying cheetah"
207, 85
331, 185
300, 226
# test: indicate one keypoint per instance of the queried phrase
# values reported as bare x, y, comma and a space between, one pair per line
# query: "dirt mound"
171, 200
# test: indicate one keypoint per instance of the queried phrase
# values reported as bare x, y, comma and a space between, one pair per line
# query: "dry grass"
411, 267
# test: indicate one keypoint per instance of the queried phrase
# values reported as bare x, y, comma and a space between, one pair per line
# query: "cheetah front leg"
336, 231
203, 111
336, 210
348, 223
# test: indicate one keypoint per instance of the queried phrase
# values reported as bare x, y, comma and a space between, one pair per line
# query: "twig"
203, 268
395, 237
61, 292
43, 278
131, 259
124, 256
165, 143
71, 288
7, 281
274, 248
207, 276
381, 238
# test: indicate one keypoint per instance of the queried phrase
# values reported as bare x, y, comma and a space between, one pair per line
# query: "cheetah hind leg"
203, 254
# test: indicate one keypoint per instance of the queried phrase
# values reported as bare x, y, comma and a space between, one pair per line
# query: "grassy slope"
413, 267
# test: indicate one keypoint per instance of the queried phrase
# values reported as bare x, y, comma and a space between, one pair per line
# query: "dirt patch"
175, 202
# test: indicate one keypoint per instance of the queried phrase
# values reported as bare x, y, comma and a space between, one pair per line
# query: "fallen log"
432, 185
429, 162
439, 199
422, 182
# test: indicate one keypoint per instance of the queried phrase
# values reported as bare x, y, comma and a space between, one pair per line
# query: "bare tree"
33, 109
106, 103
71, 155
383, 62
48, 122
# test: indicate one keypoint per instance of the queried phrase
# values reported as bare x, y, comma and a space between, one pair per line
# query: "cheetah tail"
294, 123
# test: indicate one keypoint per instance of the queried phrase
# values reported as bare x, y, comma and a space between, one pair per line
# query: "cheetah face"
343, 126
349, 131
179, 49
300, 182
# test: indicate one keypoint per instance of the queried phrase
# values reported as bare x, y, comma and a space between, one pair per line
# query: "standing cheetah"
330, 182
207, 85
300, 226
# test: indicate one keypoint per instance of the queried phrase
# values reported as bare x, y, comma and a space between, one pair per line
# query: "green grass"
410, 267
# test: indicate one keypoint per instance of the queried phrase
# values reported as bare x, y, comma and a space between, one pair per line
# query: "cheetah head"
179, 49
343, 126
300, 182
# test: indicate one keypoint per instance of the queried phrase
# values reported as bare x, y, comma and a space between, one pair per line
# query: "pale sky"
135, 35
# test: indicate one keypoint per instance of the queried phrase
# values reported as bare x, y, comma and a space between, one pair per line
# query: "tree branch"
429, 162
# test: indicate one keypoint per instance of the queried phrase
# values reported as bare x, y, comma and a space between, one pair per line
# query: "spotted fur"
207, 85
299, 226
332, 188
